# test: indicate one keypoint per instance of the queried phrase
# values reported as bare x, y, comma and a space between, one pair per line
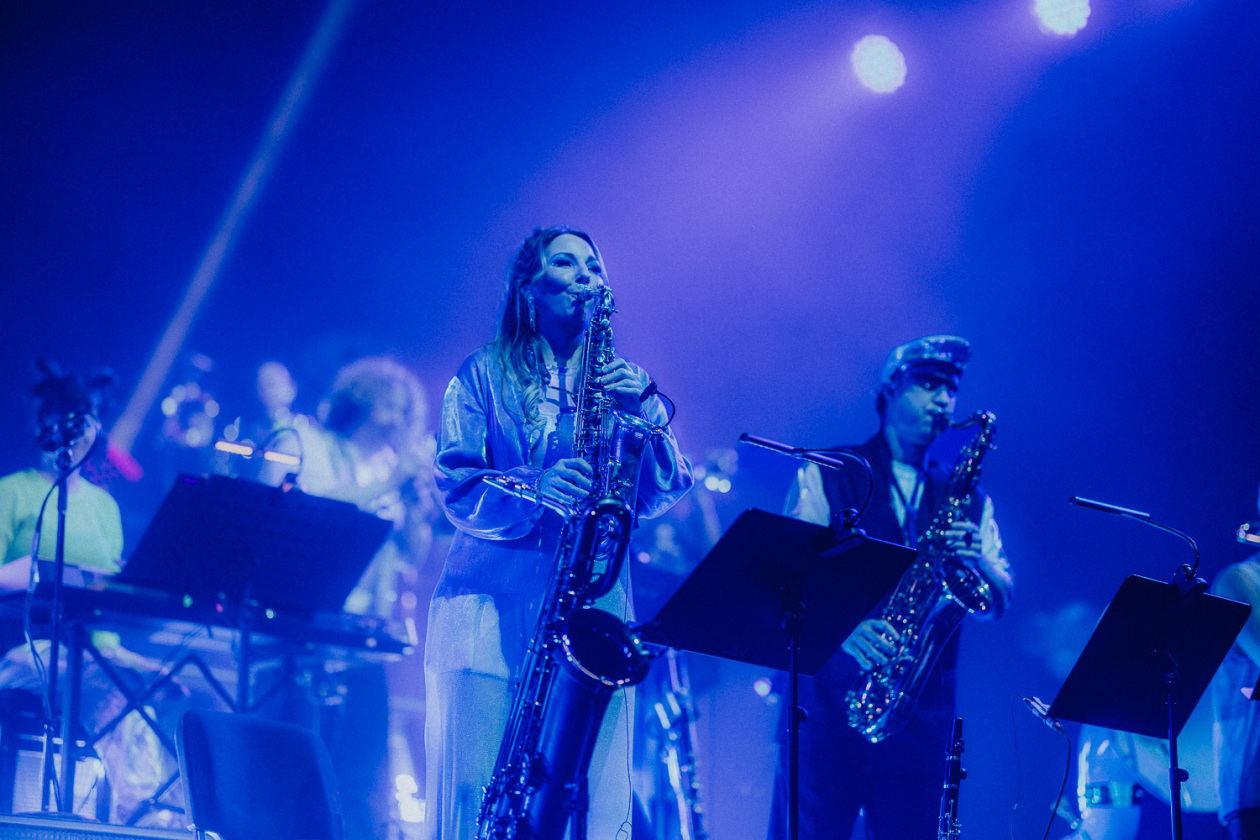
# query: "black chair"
248, 778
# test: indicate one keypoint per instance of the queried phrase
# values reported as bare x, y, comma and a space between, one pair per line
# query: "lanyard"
909, 529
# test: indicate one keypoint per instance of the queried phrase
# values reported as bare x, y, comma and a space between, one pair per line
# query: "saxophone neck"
984, 419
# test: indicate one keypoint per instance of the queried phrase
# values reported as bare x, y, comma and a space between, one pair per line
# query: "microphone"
1249, 532
1188, 583
820, 458
65, 431
1106, 508
1042, 712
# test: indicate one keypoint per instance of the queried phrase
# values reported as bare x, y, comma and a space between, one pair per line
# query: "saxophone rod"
526, 491
811, 455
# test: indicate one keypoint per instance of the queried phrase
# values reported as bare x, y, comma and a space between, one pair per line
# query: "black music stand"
783, 594
1148, 663
221, 538
252, 547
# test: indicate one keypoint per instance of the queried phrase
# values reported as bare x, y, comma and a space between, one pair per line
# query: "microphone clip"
1189, 585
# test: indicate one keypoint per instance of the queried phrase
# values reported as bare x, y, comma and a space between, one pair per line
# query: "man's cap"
946, 352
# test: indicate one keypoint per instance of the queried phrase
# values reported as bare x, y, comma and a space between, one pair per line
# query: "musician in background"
510, 411
1236, 735
896, 782
94, 536
274, 427
371, 447
67, 412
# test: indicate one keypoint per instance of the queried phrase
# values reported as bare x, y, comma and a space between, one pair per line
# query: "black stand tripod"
783, 594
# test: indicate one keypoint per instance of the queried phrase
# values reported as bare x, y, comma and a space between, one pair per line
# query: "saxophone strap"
909, 506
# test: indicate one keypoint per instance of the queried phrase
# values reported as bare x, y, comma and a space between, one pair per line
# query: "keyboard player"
66, 414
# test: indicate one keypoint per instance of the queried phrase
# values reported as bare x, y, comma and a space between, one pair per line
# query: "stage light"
878, 64
410, 808
1061, 17
234, 448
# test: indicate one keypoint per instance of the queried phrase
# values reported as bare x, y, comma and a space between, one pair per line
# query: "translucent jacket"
502, 543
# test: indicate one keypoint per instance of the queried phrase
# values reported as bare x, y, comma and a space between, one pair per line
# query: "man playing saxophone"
896, 781
510, 415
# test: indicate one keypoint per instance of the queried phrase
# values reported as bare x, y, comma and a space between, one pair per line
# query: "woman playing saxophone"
509, 414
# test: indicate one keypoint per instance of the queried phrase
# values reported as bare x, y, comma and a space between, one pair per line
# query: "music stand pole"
1171, 676
793, 619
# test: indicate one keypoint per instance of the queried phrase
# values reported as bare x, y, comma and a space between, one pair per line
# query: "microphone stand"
815, 456
1190, 585
65, 800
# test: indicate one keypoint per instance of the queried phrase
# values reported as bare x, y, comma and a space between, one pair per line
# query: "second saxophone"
926, 606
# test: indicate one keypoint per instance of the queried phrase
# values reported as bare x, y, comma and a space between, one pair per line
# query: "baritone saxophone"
579, 655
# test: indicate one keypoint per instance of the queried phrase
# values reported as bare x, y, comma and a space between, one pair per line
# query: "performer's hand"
872, 643
15, 575
625, 384
962, 542
569, 480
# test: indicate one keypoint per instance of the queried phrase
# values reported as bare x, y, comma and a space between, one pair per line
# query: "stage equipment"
59, 828
274, 566
1151, 656
1249, 532
58, 435
680, 813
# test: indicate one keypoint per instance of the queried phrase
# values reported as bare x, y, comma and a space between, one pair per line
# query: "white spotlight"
1061, 17
879, 64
